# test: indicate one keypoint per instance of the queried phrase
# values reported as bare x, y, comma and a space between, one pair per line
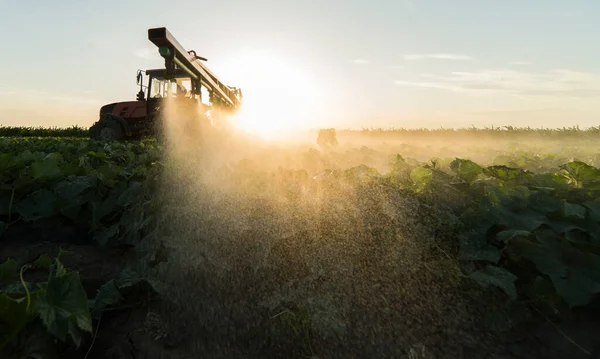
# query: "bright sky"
343, 63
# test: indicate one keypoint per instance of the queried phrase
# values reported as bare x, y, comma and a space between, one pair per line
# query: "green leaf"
571, 210
474, 247
13, 317
27, 157
131, 195
582, 172
43, 261
8, 271
594, 209
71, 190
499, 277
102, 208
64, 309
508, 174
545, 203
526, 219
421, 176
107, 295
46, 169
10, 163
543, 293
40, 204
466, 170
105, 235
574, 273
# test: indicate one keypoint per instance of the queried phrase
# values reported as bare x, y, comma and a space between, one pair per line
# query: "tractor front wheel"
107, 130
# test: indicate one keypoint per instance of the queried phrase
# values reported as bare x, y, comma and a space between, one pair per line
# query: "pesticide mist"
294, 251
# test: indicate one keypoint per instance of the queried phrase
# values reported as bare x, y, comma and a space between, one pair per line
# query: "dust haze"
270, 254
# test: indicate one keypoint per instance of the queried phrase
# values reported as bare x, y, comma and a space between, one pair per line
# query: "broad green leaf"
574, 273
109, 174
466, 170
10, 163
107, 296
545, 203
360, 172
27, 157
421, 176
499, 277
40, 204
549, 181
13, 317
545, 296
43, 261
102, 208
594, 209
72, 189
8, 271
474, 247
131, 195
57, 157
582, 172
508, 174
64, 309
571, 210
104, 236
526, 219
46, 169
578, 230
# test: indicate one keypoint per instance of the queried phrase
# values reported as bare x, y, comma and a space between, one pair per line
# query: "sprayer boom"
143, 117
177, 58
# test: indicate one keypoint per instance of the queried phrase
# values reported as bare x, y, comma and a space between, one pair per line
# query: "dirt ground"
432, 320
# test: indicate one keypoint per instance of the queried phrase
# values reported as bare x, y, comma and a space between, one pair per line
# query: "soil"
431, 320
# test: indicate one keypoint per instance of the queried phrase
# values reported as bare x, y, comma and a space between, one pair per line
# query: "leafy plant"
60, 303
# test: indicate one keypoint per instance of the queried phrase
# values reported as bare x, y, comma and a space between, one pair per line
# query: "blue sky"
403, 63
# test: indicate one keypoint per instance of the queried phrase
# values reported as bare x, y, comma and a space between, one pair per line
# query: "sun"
279, 97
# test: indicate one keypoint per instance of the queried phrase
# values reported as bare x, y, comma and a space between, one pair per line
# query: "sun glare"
279, 97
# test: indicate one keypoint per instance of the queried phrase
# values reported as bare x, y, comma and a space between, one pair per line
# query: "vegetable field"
396, 245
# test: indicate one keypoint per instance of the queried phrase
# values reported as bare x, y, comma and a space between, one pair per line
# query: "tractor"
182, 81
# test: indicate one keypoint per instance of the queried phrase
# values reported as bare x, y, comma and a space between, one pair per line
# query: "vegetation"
293, 255
73, 131
502, 131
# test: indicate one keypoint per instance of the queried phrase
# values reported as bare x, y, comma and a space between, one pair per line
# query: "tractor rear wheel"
107, 130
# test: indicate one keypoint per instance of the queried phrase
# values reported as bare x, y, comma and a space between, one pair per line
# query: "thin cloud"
413, 57
394, 66
556, 83
520, 63
361, 62
436, 85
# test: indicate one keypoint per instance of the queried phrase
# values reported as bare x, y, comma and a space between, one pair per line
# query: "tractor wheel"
107, 130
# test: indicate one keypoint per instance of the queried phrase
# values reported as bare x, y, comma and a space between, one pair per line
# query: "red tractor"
183, 79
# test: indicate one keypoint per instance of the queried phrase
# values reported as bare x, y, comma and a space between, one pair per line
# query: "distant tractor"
182, 80
327, 138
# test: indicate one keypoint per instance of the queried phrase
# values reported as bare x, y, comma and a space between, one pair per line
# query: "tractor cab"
162, 86
184, 79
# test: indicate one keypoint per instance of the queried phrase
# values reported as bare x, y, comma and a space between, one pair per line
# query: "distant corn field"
503, 131
73, 131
